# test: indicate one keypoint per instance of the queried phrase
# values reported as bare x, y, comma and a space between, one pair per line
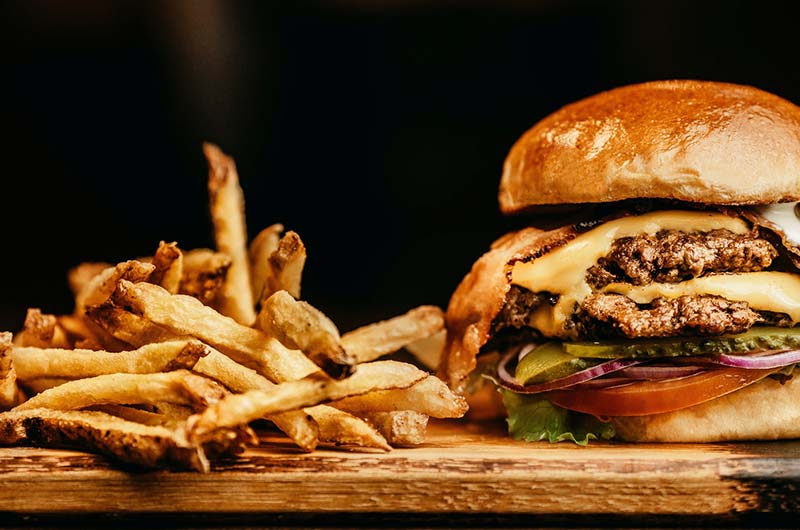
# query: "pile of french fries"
167, 360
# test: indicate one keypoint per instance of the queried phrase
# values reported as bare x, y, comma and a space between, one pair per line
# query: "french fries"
429, 350
204, 273
35, 363
382, 338
79, 276
340, 429
9, 392
43, 331
99, 288
179, 386
301, 326
297, 424
166, 360
230, 232
261, 248
243, 408
168, 263
400, 428
147, 446
286, 265
429, 396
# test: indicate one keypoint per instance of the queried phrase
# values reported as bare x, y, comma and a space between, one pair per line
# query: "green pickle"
547, 363
757, 338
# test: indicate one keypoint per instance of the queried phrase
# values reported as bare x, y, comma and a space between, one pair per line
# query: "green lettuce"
532, 419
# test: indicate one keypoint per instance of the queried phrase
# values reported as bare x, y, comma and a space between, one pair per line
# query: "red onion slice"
760, 361
507, 381
649, 372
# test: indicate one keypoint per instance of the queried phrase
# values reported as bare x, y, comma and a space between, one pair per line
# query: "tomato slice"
654, 397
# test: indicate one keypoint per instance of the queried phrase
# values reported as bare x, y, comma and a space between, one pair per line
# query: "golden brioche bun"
694, 141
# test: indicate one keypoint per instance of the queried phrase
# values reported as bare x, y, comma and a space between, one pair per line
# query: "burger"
655, 295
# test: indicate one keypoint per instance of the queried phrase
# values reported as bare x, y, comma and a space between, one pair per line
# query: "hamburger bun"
694, 141
767, 410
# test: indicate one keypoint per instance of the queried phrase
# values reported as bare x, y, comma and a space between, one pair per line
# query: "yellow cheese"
763, 291
563, 271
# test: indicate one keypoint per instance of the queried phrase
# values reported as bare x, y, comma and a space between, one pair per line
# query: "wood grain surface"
462, 469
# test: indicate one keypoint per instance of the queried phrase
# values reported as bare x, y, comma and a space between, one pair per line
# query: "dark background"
377, 130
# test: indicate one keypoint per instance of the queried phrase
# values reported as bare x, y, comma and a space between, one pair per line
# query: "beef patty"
604, 315
673, 256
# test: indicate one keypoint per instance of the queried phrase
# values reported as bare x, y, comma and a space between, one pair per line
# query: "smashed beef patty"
603, 315
673, 256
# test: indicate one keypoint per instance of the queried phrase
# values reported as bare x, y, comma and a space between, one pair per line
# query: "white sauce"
783, 215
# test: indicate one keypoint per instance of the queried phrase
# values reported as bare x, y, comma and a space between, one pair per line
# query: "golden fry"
429, 396
204, 273
400, 428
101, 286
79, 276
376, 340
180, 387
286, 267
344, 430
127, 327
300, 325
261, 248
43, 331
296, 424
184, 315
230, 232
148, 446
168, 263
9, 392
36, 386
239, 409
429, 350
35, 363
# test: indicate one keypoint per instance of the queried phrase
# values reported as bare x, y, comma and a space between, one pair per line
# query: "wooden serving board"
464, 468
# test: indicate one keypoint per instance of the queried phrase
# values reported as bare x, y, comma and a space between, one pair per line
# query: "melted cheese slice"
563, 271
763, 291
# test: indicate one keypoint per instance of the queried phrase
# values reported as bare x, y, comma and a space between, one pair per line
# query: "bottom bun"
767, 410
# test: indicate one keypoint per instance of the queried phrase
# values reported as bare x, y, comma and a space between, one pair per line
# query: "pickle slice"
547, 363
757, 338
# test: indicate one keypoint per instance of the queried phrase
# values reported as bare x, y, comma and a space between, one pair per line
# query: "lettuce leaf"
532, 419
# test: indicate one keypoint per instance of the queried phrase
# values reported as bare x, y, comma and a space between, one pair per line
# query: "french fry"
429, 350
173, 411
9, 391
429, 396
82, 274
261, 248
43, 331
243, 408
180, 386
99, 288
300, 325
36, 386
35, 363
230, 232
184, 315
296, 424
76, 328
204, 273
127, 327
400, 428
147, 446
145, 417
168, 263
286, 267
382, 338
344, 430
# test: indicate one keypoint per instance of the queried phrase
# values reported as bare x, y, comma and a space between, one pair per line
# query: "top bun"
694, 141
